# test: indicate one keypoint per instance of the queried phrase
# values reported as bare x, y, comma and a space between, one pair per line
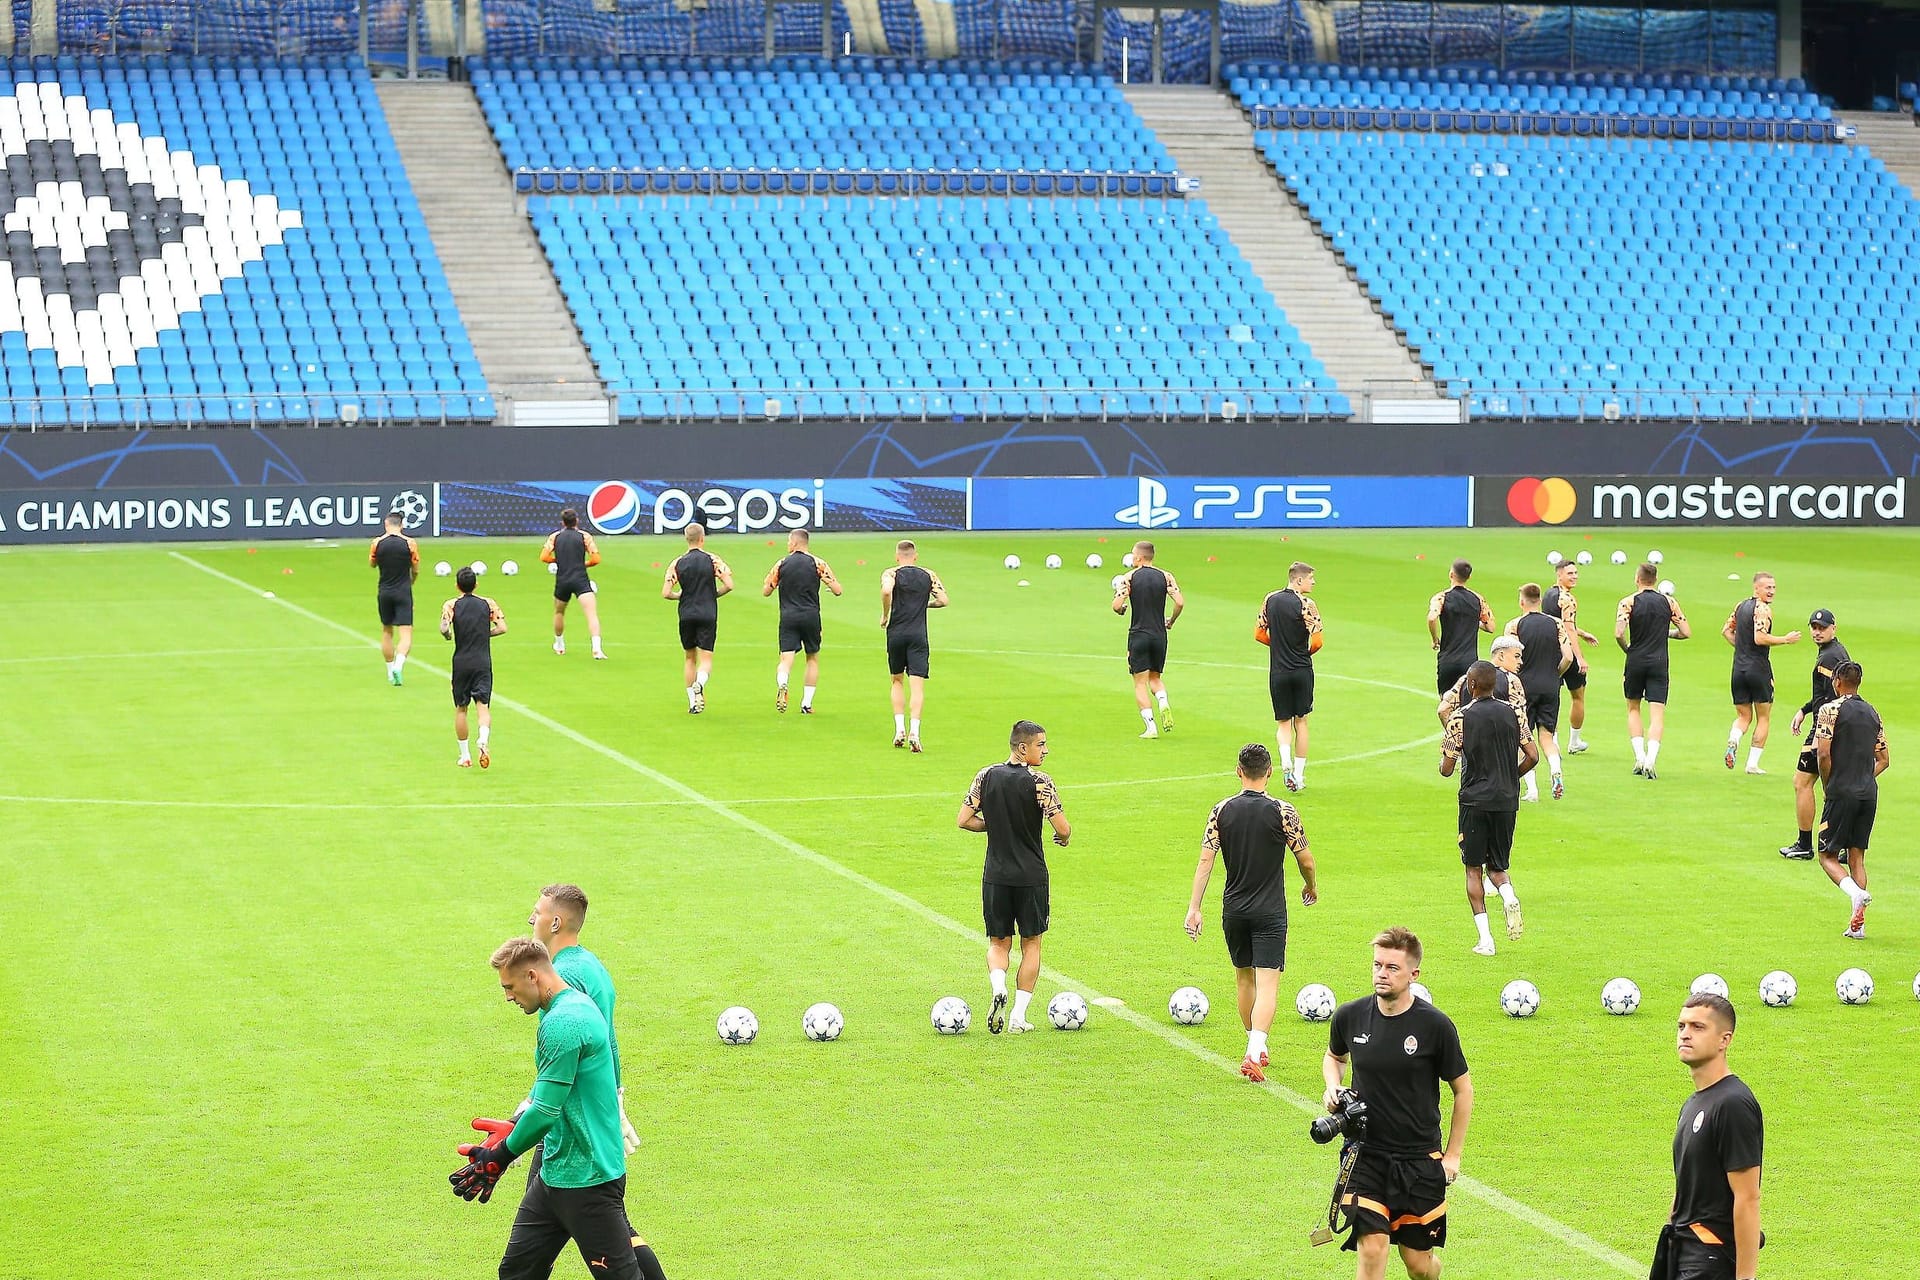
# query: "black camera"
1347, 1120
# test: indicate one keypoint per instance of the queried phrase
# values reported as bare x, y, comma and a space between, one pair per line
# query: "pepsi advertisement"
613, 507
1184, 502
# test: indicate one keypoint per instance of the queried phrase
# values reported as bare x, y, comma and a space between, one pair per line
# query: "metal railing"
1602, 404
185, 412
1557, 124
949, 404
593, 181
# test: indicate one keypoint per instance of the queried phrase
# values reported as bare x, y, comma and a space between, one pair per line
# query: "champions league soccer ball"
1419, 989
951, 1017
1119, 580
479, 568
1554, 558
1654, 557
1618, 557
822, 1022
510, 567
553, 568
1012, 562
1519, 999
1620, 997
1709, 984
1067, 1011
1585, 557
1094, 561
1666, 586
1053, 562
1315, 1002
1916, 986
1854, 986
443, 569
1126, 561
1778, 989
737, 1026
1188, 1006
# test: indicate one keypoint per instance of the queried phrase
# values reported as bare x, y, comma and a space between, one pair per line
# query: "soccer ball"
1620, 997
737, 1026
1188, 1007
1711, 984
1618, 557
1126, 561
553, 568
1778, 989
822, 1022
1067, 1011
1119, 580
1419, 989
443, 569
951, 1016
1916, 986
1315, 1002
1053, 562
1585, 557
510, 567
1519, 999
1666, 586
1554, 558
1654, 557
1855, 986
1012, 562
1094, 561
479, 568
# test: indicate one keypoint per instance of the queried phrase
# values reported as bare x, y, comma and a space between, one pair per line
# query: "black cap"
1821, 618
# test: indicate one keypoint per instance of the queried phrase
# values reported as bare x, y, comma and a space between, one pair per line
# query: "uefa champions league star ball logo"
112, 234
411, 505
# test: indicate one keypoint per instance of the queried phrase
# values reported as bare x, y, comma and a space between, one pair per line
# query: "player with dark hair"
696, 581
1546, 651
1146, 590
1642, 627
1806, 770
471, 622
397, 557
906, 593
1289, 625
1559, 602
1254, 833
571, 552
1455, 618
1851, 744
798, 578
1402, 1049
1009, 802
1488, 739
1749, 630
1713, 1230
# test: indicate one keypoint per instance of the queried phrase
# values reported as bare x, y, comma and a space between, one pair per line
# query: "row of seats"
1772, 87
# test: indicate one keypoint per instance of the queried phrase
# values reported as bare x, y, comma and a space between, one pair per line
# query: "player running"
397, 557
1455, 617
471, 622
696, 581
798, 578
1832, 653
1559, 603
1506, 653
1254, 832
1852, 746
1642, 627
1008, 802
571, 552
1488, 740
1546, 651
1289, 625
1749, 630
906, 593
1146, 590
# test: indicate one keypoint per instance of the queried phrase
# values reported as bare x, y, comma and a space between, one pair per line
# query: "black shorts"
396, 609
1641, 680
908, 654
797, 634
1574, 678
1146, 651
1486, 838
698, 633
1448, 673
1006, 907
594, 1218
1682, 1255
1846, 823
1401, 1197
1292, 693
473, 686
1256, 942
1752, 687
1543, 709
1809, 761
566, 588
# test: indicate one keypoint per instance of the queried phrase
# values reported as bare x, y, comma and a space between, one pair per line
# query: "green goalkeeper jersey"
580, 969
575, 1106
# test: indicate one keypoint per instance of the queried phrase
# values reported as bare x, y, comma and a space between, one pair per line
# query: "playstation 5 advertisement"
1240, 502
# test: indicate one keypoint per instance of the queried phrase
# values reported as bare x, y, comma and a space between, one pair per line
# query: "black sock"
1806, 839
649, 1265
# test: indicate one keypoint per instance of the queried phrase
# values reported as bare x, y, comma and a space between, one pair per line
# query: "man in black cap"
1831, 654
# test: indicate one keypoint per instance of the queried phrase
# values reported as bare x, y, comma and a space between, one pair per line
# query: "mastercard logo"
1549, 501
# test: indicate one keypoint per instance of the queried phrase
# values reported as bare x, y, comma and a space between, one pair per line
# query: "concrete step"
1893, 137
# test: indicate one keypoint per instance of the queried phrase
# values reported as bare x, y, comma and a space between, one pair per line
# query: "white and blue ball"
1188, 1006
1315, 1002
737, 1025
1854, 986
1709, 984
1778, 989
1620, 997
510, 567
442, 570
951, 1016
1520, 999
1094, 561
1053, 562
822, 1022
1067, 1011
1012, 562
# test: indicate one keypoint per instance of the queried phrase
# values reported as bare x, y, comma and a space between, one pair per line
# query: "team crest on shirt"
1699, 1119
1412, 1045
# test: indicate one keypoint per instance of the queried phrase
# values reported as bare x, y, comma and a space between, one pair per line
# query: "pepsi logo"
613, 506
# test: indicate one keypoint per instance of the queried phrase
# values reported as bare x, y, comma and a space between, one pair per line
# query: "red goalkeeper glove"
486, 1161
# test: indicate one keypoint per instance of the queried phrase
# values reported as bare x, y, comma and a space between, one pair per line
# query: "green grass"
251, 900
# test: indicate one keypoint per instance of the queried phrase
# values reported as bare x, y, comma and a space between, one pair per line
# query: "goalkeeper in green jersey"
558, 916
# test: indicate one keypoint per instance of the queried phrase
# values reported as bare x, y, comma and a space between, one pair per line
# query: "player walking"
1008, 802
1642, 627
1832, 653
1254, 833
1558, 602
1289, 625
1852, 747
471, 622
397, 557
571, 552
696, 581
1546, 651
1146, 590
1749, 630
906, 593
1488, 739
798, 578
1713, 1231
1455, 618
1507, 652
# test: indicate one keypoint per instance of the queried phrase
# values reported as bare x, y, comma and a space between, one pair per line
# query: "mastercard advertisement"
1521, 501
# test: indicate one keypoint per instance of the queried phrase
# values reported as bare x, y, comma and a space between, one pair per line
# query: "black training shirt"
912, 589
1749, 655
697, 573
1147, 594
571, 549
1831, 655
799, 579
1254, 834
1015, 801
1855, 729
1720, 1132
1484, 736
471, 618
395, 555
1460, 609
1649, 616
1539, 638
1398, 1065
1291, 620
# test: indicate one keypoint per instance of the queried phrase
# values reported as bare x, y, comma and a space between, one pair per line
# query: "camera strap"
1349, 1156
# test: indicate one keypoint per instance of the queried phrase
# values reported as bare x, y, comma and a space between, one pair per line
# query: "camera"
1347, 1120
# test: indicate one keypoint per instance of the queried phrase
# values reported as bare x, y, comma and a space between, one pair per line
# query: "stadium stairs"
1210, 139
1893, 138
525, 338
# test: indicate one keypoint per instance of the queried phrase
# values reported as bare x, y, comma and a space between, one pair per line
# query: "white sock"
559, 645
1653, 752
1553, 764
693, 695
913, 731
1162, 698
1639, 750
1508, 894
1733, 735
485, 730
700, 678
998, 977
1576, 739
1286, 753
1020, 1001
391, 668
1486, 934
466, 754
1530, 786
1848, 887
1146, 713
596, 644
1299, 768
1753, 757
806, 696
1256, 1044
783, 681
899, 723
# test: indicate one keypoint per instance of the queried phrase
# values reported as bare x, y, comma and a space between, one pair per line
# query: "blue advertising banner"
1241, 502
724, 506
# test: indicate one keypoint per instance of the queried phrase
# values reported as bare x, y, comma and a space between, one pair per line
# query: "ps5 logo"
1151, 511
1254, 503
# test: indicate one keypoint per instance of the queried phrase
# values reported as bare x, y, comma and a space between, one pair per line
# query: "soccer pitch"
252, 900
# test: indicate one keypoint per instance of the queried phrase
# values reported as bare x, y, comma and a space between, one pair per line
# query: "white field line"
1542, 1222
1224, 666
